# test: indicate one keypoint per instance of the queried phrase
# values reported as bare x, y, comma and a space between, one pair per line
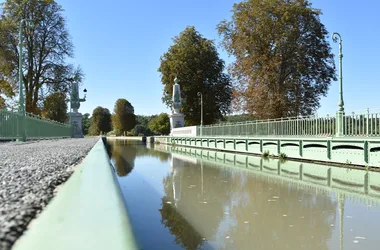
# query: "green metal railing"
355, 124
362, 124
292, 126
11, 125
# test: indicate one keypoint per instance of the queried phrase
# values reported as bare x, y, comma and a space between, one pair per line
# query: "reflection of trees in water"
124, 153
162, 156
255, 221
189, 202
308, 216
108, 146
124, 158
184, 233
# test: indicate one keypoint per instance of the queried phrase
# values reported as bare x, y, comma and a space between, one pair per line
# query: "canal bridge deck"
362, 151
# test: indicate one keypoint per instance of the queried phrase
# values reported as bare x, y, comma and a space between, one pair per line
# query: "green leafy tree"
47, 46
196, 63
143, 120
124, 118
141, 130
160, 124
283, 61
100, 121
55, 107
142, 125
86, 123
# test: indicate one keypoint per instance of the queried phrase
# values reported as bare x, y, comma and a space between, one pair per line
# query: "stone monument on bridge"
75, 116
177, 119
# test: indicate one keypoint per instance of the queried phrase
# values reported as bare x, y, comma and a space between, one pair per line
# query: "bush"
282, 156
266, 153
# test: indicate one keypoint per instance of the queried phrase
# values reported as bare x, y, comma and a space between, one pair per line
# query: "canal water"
182, 198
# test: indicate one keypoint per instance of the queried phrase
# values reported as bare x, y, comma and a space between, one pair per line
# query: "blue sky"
118, 43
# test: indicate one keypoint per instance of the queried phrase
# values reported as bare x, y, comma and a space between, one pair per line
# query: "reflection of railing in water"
352, 183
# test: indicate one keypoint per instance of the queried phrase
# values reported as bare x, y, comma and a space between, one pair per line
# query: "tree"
6, 89
142, 125
124, 118
100, 121
86, 123
160, 124
47, 45
55, 107
283, 61
196, 63
140, 130
143, 120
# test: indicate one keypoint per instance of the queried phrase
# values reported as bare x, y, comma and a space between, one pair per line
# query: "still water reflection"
177, 201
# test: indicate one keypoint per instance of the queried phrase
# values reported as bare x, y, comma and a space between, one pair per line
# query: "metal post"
246, 128
316, 124
20, 75
340, 114
353, 124
328, 126
367, 123
200, 94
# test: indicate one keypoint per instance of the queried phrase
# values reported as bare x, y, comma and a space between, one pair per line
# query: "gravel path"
29, 173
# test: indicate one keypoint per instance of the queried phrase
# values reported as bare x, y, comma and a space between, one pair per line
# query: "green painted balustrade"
354, 124
11, 125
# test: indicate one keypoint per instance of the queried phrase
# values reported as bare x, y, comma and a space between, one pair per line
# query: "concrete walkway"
29, 174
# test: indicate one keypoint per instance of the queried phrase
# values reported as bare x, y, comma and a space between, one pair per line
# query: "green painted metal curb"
87, 213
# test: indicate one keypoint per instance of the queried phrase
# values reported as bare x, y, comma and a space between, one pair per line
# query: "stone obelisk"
177, 119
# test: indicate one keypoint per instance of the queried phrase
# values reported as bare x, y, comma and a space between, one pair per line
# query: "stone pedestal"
177, 120
76, 120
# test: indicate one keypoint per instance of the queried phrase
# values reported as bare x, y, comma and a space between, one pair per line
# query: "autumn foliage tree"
47, 45
55, 107
283, 61
195, 61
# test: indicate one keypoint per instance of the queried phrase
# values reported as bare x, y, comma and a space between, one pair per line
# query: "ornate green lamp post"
340, 114
20, 75
200, 94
